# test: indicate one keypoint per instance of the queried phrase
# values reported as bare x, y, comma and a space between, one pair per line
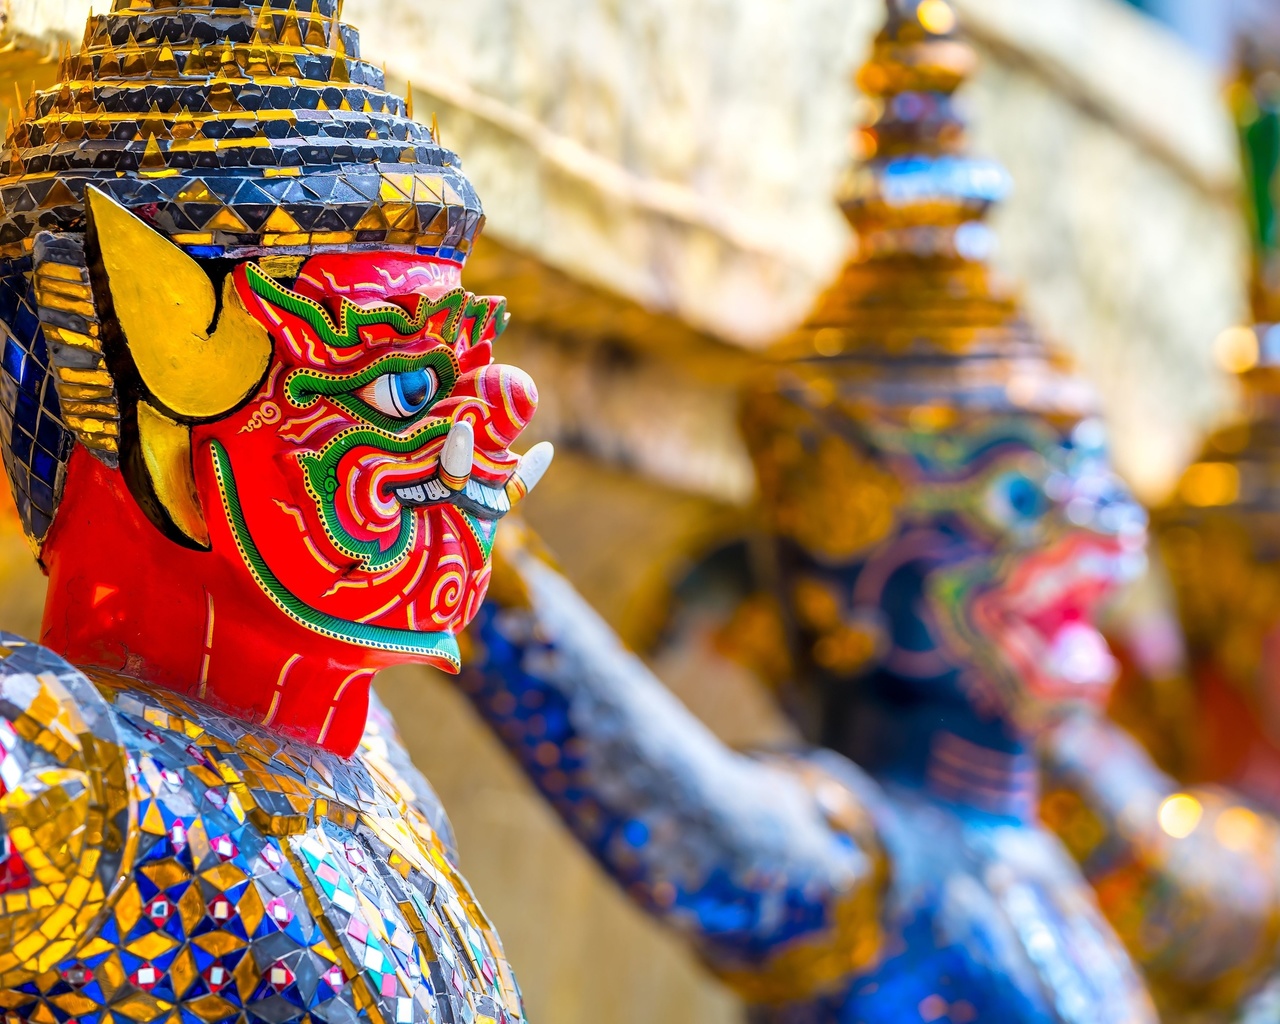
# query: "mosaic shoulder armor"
158, 855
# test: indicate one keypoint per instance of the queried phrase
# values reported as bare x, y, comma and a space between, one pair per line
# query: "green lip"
384, 638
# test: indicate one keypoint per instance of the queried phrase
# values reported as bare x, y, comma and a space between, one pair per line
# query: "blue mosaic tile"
29, 405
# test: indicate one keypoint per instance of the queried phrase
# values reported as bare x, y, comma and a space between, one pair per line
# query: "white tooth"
535, 463
418, 493
436, 491
459, 451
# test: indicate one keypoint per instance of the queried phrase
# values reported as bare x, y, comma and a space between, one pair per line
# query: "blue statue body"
943, 524
822, 890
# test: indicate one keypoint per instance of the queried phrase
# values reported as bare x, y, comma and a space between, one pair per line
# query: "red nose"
512, 398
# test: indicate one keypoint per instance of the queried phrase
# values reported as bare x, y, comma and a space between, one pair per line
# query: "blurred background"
659, 180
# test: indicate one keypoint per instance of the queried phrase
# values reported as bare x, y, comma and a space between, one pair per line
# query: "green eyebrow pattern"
303, 387
459, 304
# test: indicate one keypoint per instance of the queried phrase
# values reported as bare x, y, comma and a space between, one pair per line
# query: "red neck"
124, 598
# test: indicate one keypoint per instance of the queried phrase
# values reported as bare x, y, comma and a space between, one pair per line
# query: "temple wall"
658, 179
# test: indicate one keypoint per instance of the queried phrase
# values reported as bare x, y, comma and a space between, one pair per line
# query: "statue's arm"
771, 867
1189, 878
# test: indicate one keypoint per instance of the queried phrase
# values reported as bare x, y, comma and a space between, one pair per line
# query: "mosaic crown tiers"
916, 316
233, 128
238, 131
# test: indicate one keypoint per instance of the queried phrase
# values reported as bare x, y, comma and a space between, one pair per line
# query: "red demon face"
364, 480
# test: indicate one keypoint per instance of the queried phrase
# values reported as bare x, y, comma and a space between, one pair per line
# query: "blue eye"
1016, 500
401, 395
1025, 498
413, 390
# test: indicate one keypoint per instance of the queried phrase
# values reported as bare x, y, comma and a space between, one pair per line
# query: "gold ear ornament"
165, 445
197, 360
195, 357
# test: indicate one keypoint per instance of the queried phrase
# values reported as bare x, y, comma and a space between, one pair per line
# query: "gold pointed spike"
291, 33
373, 220
133, 60
59, 195
340, 73
259, 65
221, 96
109, 64
185, 126
435, 129
166, 65
195, 61
153, 156
196, 192
264, 33
408, 101
280, 222
315, 28
229, 67
64, 100
166, 452
84, 64
228, 220
194, 368
284, 66
154, 125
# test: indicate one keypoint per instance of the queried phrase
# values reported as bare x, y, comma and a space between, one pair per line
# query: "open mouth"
452, 481
479, 499
1043, 618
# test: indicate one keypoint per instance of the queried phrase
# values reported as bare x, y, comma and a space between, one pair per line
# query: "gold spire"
916, 315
